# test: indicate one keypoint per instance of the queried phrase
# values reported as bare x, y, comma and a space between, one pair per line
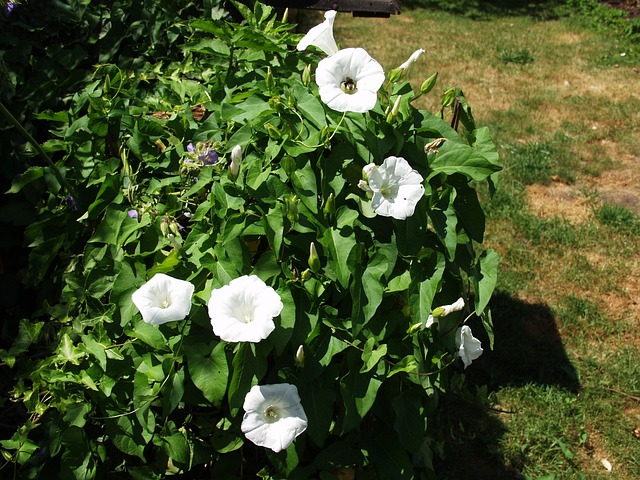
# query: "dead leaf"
606, 464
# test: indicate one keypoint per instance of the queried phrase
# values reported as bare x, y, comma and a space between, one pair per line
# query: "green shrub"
363, 327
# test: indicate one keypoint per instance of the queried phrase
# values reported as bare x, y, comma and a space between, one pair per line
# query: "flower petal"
321, 35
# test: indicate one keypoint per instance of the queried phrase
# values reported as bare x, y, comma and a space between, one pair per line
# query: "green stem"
40, 150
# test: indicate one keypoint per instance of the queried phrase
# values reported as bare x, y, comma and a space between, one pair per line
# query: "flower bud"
236, 160
285, 15
272, 131
314, 259
291, 208
299, 358
445, 310
164, 226
269, 79
175, 228
394, 111
306, 75
411, 60
428, 84
414, 328
330, 205
395, 75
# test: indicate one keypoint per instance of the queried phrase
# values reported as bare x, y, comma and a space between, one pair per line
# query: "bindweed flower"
469, 347
274, 416
243, 311
163, 299
321, 36
133, 214
412, 59
349, 80
396, 187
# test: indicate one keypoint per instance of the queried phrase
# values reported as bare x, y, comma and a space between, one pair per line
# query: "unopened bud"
429, 83
269, 79
411, 60
236, 160
285, 15
272, 131
394, 111
164, 226
306, 75
395, 75
414, 328
445, 310
299, 358
330, 204
306, 275
175, 228
314, 259
291, 208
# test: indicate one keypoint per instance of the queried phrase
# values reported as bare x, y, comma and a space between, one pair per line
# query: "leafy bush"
367, 327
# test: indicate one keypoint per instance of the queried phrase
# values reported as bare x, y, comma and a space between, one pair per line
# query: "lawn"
563, 104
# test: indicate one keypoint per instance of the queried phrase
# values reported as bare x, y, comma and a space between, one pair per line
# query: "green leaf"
410, 423
445, 221
177, 448
173, 391
274, 228
149, 334
247, 371
486, 278
371, 356
338, 246
305, 187
389, 458
30, 175
68, 352
458, 158
358, 391
209, 373
318, 401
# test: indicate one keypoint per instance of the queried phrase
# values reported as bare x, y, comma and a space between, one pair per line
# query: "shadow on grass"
487, 9
527, 350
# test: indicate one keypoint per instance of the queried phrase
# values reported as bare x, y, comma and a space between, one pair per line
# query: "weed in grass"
618, 217
515, 56
532, 162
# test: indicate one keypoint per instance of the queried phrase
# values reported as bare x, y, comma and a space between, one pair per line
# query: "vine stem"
40, 150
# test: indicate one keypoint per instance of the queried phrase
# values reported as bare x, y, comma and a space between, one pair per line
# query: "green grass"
564, 108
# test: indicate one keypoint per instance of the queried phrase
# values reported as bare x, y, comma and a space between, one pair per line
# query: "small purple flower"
8, 8
70, 200
132, 214
209, 157
190, 147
